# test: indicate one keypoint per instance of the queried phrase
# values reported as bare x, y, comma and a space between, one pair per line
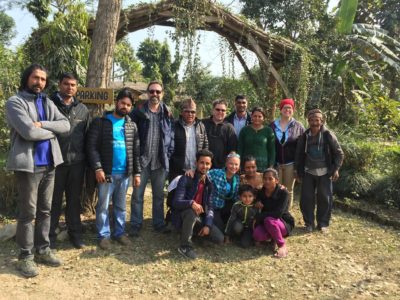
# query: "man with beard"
155, 125
317, 162
69, 175
113, 152
34, 122
240, 117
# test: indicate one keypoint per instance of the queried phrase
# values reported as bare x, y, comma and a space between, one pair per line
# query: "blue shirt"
42, 156
223, 190
119, 147
239, 123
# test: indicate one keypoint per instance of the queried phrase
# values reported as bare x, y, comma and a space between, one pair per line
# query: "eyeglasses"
158, 92
220, 110
189, 111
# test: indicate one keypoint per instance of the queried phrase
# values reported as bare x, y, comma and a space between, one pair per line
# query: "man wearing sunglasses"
221, 135
190, 136
155, 122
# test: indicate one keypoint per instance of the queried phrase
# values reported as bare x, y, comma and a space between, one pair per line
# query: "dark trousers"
68, 179
221, 216
34, 202
192, 224
243, 233
316, 190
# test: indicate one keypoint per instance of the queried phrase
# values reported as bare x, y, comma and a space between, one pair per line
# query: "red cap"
284, 102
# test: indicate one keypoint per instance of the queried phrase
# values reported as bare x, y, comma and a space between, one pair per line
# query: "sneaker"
324, 230
27, 267
308, 228
47, 258
105, 244
77, 243
163, 229
187, 251
124, 240
134, 231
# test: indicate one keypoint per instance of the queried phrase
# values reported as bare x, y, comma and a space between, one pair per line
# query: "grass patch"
356, 259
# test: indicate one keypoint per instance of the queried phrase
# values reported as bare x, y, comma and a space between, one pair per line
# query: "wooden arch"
219, 20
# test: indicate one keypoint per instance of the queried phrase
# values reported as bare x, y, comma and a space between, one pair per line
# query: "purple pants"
272, 229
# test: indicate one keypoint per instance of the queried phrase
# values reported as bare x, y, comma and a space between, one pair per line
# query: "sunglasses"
220, 109
158, 92
189, 111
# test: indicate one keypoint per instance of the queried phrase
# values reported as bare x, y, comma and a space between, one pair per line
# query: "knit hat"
315, 113
287, 101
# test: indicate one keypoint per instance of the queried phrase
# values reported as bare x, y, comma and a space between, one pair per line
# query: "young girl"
251, 176
273, 221
240, 223
225, 189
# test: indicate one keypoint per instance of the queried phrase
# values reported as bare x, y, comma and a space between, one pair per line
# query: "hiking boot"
105, 244
27, 267
124, 240
187, 251
47, 257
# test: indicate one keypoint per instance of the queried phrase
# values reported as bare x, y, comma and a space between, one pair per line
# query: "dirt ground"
357, 259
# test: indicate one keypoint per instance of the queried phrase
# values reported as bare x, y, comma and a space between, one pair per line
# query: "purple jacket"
286, 153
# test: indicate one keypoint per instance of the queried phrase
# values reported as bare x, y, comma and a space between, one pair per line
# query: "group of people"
231, 177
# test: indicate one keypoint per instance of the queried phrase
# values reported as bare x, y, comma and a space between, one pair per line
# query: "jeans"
34, 202
317, 188
192, 224
157, 178
117, 191
69, 179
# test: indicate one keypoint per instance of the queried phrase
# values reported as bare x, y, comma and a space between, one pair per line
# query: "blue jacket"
183, 199
141, 117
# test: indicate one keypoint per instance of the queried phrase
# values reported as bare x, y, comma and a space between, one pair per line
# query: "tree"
7, 31
157, 64
62, 44
126, 66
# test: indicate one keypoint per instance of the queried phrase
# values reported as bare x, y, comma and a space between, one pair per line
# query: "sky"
210, 42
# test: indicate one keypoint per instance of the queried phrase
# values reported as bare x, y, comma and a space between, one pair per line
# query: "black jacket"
231, 118
333, 152
177, 160
222, 139
275, 206
99, 145
72, 143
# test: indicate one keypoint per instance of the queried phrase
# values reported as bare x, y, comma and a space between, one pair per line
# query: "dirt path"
357, 259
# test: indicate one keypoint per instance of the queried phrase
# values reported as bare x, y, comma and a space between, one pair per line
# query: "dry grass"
357, 259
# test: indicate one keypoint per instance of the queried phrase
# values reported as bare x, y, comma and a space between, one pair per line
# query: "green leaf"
346, 14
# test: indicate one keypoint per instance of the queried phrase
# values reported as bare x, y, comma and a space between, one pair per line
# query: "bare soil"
357, 259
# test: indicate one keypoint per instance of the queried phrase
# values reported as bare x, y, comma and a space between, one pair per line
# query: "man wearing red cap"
287, 131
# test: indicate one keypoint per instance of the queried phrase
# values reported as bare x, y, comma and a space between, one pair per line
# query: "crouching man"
192, 207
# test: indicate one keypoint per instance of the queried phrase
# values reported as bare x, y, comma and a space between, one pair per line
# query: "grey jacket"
21, 112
